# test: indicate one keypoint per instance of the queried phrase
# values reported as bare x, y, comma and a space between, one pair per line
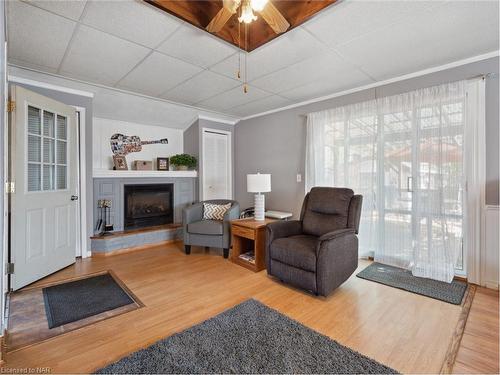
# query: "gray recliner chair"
208, 233
320, 251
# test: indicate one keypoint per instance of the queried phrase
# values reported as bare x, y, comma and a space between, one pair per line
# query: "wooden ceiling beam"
200, 13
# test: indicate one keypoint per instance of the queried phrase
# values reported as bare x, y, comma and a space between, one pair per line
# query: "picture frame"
120, 163
162, 164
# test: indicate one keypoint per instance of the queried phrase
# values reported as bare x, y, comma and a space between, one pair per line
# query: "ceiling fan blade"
229, 7
274, 18
219, 21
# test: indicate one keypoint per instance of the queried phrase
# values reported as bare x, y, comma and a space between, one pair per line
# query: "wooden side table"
249, 235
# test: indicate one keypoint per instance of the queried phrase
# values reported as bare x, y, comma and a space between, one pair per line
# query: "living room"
250, 186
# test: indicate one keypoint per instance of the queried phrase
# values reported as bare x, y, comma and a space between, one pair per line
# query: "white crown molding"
208, 118
49, 86
381, 83
217, 119
190, 123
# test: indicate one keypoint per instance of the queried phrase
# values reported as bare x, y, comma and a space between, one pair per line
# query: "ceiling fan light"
258, 5
247, 15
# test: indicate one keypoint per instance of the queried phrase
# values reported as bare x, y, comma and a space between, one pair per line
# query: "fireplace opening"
148, 205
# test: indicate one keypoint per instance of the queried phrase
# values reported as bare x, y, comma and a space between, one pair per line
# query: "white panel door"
216, 165
44, 169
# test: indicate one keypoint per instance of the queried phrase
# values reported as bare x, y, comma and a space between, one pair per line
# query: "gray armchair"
320, 251
208, 233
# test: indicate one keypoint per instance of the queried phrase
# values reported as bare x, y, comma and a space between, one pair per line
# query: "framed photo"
162, 164
120, 163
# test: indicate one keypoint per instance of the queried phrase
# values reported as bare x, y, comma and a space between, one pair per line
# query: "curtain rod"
483, 76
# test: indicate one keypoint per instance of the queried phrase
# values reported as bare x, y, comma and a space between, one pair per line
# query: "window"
47, 161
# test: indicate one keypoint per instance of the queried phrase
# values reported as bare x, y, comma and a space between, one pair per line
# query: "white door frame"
5, 169
230, 164
81, 249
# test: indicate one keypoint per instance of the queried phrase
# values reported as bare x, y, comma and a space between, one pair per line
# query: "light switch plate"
299, 177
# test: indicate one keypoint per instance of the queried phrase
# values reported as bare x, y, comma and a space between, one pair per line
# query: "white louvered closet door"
216, 172
44, 170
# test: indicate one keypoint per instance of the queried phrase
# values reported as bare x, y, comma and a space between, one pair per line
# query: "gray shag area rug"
403, 279
249, 338
79, 299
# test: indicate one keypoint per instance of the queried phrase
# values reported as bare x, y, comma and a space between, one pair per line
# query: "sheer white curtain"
404, 153
341, 151
475, 171
436, 118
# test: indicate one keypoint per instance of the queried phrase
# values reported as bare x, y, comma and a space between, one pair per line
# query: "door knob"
74, 197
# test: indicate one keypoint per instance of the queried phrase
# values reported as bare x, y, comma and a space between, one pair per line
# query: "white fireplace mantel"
104, 173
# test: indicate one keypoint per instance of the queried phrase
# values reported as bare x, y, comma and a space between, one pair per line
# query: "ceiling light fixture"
245, 9
258, 5
247, 15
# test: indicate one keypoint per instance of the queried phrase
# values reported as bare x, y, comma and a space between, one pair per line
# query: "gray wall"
191, 140
492, 140
194, 146
85, 102
275, 143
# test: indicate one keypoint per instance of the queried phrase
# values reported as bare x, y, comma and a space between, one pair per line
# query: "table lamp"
259, 183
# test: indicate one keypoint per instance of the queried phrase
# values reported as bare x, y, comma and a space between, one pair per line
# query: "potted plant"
183, 162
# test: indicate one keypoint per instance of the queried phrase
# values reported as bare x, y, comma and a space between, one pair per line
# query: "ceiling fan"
265, 8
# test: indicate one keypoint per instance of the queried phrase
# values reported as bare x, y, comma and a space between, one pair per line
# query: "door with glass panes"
43, 167
422, 184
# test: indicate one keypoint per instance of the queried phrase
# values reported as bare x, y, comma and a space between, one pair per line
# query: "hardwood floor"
405, 331
28, 319
479, 348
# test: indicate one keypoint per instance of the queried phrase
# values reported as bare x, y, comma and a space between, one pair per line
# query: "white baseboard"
490, 258
491, 285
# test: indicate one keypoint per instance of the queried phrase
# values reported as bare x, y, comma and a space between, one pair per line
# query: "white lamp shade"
258, 183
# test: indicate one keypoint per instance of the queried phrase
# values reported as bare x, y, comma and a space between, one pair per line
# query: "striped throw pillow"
215, 211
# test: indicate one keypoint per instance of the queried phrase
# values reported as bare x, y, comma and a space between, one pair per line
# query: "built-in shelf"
103, 173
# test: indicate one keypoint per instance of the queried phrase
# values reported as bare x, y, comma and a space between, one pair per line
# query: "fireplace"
148, 205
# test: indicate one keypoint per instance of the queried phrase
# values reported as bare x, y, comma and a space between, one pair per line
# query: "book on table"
249, 256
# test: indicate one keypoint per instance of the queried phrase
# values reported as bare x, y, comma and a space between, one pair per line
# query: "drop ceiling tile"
196, 46
202, 86
157, 74
100, 57
448, 33
126, 106
260, 105
324, 66
230, 66
332, 84
347, 20
233, 98
287, 49
132, 108
36, 36
132, 20
71, 9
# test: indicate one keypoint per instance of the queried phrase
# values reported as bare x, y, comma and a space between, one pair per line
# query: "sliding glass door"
404, 154
421, 188
439, 178
396, 204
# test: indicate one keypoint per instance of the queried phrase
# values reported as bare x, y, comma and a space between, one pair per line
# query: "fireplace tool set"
103, 222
